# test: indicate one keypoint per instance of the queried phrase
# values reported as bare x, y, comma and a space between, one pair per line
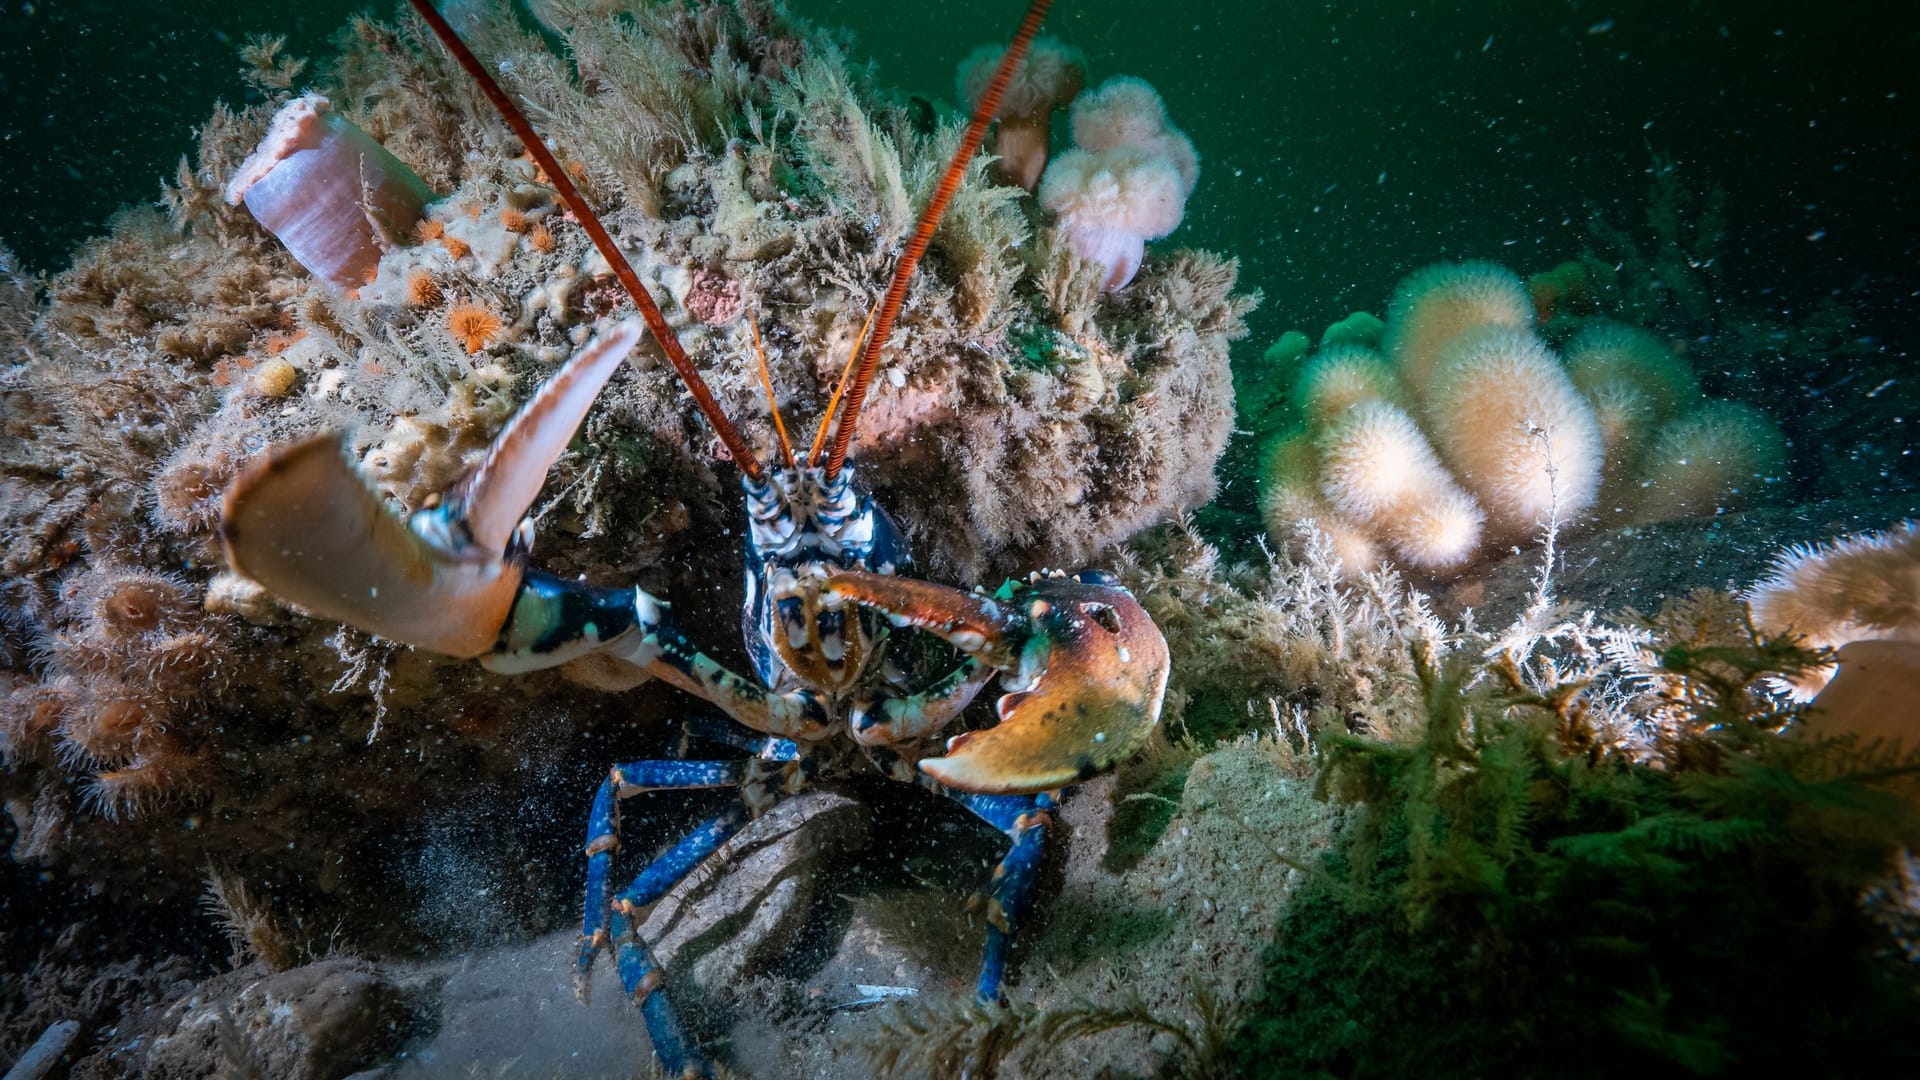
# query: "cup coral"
1047, 80
1125, 182
1858, 588
332, 194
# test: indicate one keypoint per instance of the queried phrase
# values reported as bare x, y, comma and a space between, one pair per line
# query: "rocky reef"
160, 715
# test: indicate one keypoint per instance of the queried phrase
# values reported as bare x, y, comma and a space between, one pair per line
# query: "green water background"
1341, 144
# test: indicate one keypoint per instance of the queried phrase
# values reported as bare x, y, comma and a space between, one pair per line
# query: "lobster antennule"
929, 221
839, 389
773, 403
737, 447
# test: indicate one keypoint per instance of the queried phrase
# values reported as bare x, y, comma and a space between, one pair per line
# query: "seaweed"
1521, 897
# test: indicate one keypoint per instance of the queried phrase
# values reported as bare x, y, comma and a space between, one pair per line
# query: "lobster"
848, 672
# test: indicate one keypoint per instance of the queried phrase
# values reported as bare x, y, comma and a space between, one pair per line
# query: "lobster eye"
1097, 577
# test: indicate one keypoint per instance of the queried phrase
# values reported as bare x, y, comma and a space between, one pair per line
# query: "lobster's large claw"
302, 523
1085, 667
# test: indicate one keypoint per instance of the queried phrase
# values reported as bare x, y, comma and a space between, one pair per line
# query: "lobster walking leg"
603, 836
1024, 818
640, 973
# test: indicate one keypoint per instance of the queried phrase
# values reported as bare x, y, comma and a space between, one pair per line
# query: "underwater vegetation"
1517, 897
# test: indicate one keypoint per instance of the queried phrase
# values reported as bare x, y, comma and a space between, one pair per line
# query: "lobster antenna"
766, 380
737, 448
929, 221
839, 388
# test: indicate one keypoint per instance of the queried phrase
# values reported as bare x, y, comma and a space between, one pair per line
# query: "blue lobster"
848, 674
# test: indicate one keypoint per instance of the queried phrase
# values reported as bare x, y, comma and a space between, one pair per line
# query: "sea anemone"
1126, 113
1110, 204
332, 194
1709, 461
1857, 588
1047, 79
473, 326
1125, 182
1435, 305
1505, 415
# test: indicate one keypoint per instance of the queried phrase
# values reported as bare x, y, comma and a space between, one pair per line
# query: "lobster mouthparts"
1084, 666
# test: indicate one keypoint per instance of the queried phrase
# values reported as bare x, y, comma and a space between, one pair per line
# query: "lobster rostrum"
840, 642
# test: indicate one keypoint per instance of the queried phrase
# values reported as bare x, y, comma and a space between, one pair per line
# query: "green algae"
1517, 901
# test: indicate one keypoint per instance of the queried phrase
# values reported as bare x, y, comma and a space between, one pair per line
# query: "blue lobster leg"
1024, 818
639, 972
603, 837
728, 733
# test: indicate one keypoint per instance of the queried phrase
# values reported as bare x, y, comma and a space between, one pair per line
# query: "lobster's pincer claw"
301, 522
1085, 667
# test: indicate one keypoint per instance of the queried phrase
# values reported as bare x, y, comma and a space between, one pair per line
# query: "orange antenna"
737, 448
766, 380
840, 387
929, 221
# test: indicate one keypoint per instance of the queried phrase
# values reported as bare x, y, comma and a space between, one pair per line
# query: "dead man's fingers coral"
1379, 470
1506, 417
1435, 305
1342, 376
1708, 461
1290, 502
